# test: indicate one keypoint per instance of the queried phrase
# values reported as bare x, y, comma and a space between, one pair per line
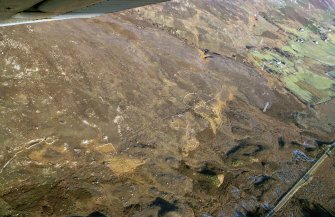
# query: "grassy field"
310, 87
292, 63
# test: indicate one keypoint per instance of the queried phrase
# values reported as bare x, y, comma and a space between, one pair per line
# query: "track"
303, 181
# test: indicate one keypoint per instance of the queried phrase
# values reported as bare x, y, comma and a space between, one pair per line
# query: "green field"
294, 68
310, 87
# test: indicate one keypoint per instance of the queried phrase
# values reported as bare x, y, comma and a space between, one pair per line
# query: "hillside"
186, 108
